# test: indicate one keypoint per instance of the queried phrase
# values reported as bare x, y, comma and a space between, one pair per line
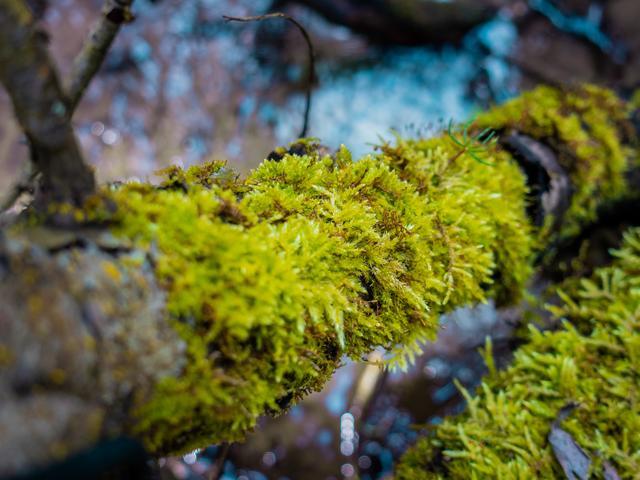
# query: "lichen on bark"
85, 339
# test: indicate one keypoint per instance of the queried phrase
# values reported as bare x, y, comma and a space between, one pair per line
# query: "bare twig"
95, 48
312, 56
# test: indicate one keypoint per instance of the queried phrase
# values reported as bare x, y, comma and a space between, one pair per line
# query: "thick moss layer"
273, 278
594, 361
583, 126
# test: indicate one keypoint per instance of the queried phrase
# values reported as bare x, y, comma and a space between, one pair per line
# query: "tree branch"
27, 73
95, 48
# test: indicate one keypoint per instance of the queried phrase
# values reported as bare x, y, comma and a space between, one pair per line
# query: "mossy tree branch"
211, 300
28, 74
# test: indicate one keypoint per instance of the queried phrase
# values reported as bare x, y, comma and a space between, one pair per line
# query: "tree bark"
28, 74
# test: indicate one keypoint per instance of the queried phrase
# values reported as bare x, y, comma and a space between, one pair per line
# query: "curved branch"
312, 57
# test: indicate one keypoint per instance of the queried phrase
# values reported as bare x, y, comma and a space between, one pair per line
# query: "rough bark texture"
27, 73
84, 339
212, 300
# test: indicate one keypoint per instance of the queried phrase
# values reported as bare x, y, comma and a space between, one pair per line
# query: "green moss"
272, 279
584, 126
594, 360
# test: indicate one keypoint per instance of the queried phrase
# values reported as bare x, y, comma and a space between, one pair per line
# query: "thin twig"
312, 56
95, 48
29, 76
218, 468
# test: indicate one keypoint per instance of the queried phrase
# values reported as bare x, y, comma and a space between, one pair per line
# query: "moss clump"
584, 126
593, 361
272, 279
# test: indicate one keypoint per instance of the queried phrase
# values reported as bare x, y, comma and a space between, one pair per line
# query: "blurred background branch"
312, 57
114, 14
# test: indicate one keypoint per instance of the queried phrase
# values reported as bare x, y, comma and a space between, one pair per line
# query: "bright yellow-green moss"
594, 360
584, 126
272, 279
438, 171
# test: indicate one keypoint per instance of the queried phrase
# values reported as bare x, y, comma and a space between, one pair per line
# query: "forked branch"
43, 108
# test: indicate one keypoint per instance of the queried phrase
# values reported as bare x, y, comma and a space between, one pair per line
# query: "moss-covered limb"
312, 257
28, 74
594, 360
583, 127
271, 279
84, 340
